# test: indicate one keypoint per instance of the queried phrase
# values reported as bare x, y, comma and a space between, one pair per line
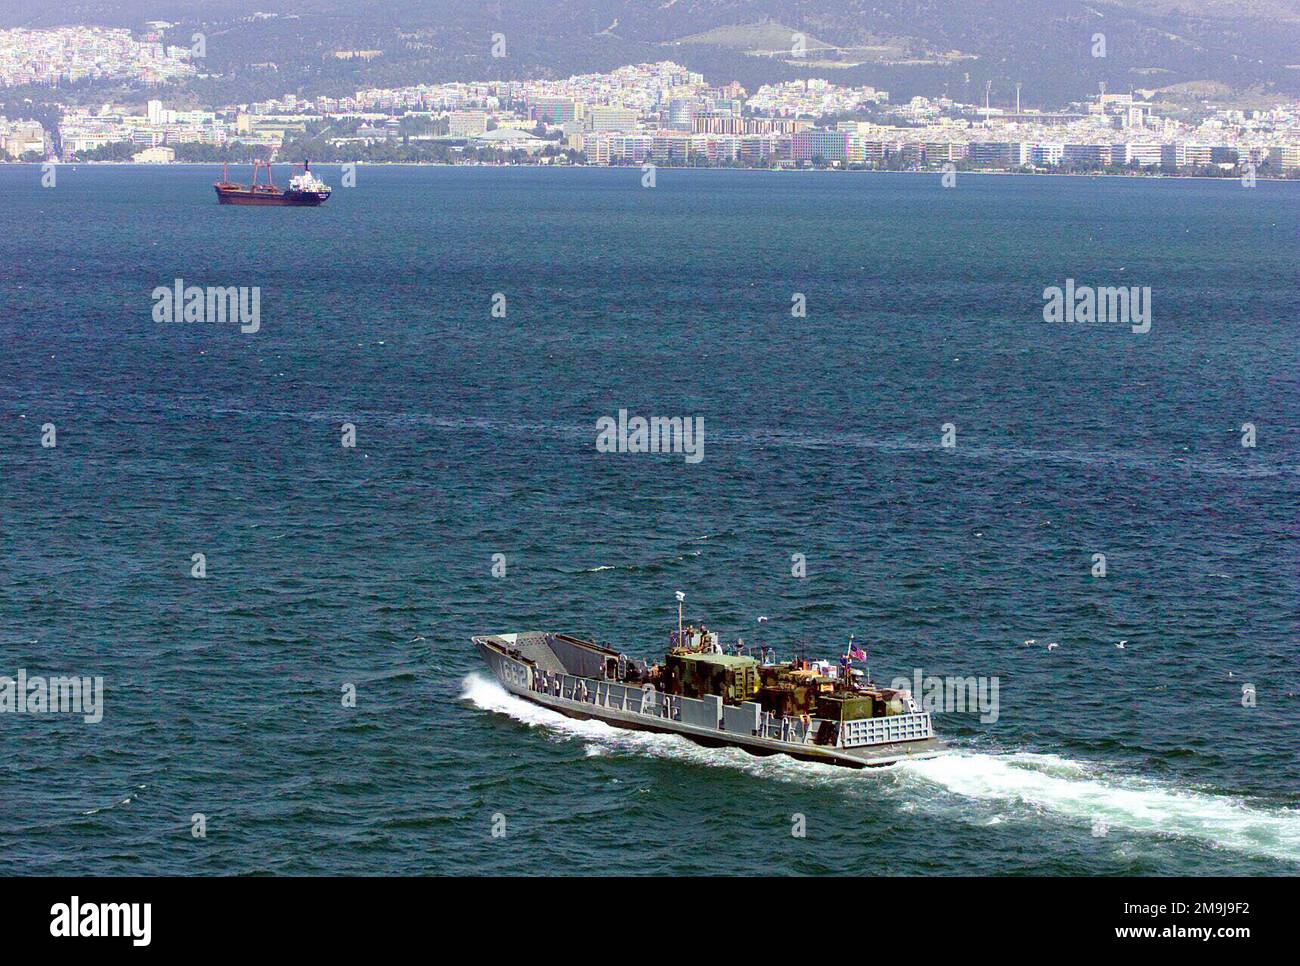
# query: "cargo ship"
812, 711
305, 189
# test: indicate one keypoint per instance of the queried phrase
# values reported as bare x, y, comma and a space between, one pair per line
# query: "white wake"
1106, 801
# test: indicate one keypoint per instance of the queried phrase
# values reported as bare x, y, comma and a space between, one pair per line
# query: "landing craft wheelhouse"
814, 711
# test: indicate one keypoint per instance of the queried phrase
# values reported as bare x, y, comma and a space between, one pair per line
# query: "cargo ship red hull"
305, 190
234, 194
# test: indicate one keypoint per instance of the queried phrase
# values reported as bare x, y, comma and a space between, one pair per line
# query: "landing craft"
812, 711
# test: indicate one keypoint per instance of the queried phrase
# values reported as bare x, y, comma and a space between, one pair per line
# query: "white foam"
1031, 784
1075, 791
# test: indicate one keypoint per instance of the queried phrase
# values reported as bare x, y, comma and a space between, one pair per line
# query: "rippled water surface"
475, 436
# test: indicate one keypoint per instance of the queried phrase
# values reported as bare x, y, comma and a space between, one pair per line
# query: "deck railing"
646, 700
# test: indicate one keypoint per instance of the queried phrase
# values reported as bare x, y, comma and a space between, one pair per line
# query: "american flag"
857, 653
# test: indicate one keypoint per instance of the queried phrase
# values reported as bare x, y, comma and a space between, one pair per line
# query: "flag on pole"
857, 653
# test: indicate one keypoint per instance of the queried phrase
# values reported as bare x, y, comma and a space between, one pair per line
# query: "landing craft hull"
522, 679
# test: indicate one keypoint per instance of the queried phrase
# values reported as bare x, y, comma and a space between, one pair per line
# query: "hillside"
904, 46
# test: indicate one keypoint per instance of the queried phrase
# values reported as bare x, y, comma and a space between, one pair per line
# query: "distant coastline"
1144, 175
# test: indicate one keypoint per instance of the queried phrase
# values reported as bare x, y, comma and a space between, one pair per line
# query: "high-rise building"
462, 124
603, 117
999, 153
824, 147
1284, 156
555, 110
681, 114
1143, 155
671, 147
1099, 155
1046, 153
941, 151
711, 122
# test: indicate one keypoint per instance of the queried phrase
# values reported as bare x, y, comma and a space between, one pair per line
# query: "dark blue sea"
372, 566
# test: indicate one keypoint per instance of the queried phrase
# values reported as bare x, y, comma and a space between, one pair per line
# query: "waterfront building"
1098, 155
670, 146
621, 148
510, 139
764, 148
1142, 155
1284, 156
717, 148
1046, 154
18, 138
939, 152
159, 155
825, 147
991, 154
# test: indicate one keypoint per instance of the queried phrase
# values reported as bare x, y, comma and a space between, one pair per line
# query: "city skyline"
652, 112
